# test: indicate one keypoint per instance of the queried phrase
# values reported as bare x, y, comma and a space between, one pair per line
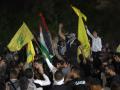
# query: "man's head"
110, 70
29, 73
2, 62
95, 84
59, 64
95, 34
117, 57
75, 72
115, 85
58, 76
13, 74
66, 64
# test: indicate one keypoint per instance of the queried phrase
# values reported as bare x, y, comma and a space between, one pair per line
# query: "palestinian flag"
43, 46
46, 34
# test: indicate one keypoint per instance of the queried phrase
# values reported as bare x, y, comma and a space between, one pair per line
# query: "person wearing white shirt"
46, 80
54, 70
96, 47
29, 74
96, 41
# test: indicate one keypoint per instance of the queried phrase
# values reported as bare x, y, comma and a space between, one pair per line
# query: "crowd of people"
101, 71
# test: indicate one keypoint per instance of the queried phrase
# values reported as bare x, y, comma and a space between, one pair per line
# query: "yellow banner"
21, 38
82, 35
30, 52
118, 49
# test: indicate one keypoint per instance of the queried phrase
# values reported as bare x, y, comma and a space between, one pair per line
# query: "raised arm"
46, 80
61, 34
88, 32
51, 67
55, 49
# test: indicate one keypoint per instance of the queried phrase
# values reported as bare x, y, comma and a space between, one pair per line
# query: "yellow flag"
82, 35
30, 52
21, 38
118, 49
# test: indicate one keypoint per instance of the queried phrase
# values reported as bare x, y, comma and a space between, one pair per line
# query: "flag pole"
37, 43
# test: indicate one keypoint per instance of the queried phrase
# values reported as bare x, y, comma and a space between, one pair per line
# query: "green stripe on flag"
45, 52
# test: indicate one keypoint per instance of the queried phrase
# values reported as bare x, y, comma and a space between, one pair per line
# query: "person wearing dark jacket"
59, 82
75, 81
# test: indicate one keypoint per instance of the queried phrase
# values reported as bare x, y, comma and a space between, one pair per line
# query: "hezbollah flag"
30, 52
21, 38
82, 35
118, 49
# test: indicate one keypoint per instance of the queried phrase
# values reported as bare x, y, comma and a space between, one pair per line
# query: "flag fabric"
44, 51
30, 52
42, 41
21, 38
43, 46
118, 49
46, 34
82, 35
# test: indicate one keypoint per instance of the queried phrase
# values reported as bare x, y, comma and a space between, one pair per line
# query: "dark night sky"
102, 14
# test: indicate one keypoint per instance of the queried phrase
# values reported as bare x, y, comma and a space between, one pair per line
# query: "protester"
60, 71
115, 85
110, 70
75, 81
96, 48
71, 44
13, 83
30, 83
59, 82
95, 84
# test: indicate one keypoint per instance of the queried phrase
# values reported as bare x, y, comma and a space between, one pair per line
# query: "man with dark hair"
110, 69
59, 82
96, 48
116, 62
29, 73
71, 45
115, 85
13, 83
30, 82
113, 76
58, 78
75, 81
46, 80
95, 84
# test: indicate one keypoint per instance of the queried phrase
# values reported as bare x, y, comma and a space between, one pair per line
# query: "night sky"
103, 16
